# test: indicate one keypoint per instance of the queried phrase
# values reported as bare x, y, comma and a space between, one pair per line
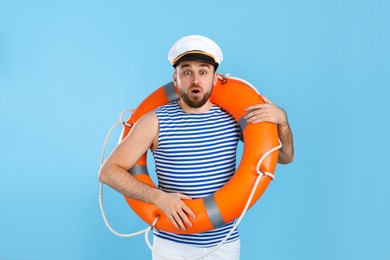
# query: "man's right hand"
172, 205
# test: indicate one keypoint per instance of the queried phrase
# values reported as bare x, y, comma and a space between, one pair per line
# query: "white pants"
175, 251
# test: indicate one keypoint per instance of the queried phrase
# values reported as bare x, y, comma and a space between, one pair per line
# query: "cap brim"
196, 56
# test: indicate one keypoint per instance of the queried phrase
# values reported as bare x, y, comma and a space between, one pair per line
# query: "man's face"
195, 81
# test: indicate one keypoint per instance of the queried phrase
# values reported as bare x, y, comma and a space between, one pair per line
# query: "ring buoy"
228, 202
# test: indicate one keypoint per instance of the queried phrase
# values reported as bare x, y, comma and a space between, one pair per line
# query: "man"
194, 144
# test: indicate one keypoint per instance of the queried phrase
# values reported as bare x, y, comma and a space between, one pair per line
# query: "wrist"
283, 125
282, 117
156, 196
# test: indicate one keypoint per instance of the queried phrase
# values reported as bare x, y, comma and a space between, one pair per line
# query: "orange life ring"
228, 202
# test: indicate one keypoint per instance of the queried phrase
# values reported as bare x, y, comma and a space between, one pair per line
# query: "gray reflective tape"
243, 123
213, 211
171, 92
138, 170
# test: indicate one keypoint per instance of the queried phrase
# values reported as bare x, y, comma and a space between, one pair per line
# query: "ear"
174, 77
215, 78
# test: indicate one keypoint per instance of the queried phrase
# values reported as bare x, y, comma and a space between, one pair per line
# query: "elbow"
286, 159
290, 159
103, 175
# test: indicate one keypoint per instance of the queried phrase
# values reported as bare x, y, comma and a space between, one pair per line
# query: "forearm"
171, 204
123, 182
286, 153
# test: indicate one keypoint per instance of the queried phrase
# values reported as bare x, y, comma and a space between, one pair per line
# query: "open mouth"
195, 91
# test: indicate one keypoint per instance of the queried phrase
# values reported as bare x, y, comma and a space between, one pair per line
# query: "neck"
192, 110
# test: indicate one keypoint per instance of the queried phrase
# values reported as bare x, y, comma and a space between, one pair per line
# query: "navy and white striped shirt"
195, 156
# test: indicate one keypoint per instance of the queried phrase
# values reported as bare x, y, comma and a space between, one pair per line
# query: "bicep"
136, 143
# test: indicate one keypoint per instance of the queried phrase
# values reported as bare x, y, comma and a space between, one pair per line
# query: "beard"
194, 101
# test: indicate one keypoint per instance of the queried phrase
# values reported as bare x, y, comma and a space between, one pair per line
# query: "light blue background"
68, 68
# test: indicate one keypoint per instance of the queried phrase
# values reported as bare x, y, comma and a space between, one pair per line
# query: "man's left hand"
267, 112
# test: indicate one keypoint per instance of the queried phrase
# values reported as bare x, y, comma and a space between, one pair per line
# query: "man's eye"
203, 72
187, 72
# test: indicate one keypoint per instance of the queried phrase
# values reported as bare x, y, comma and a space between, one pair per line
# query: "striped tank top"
195, 156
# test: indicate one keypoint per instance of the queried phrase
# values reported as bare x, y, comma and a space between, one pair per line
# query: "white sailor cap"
195, 47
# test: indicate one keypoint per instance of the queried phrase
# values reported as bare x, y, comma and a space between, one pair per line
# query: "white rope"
237, 222
101, 184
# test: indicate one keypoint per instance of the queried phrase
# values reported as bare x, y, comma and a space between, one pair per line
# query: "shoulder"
147, 120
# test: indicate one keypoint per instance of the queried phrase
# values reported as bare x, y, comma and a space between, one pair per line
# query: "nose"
195, 80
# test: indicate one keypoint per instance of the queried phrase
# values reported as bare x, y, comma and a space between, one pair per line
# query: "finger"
259, 113
177, 217
173, 221
185, 207
260, 118
253, 113
184, 218
253, 107
184, 197
189, 211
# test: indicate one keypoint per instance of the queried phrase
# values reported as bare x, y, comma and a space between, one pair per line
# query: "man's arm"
114, 172
268, 112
